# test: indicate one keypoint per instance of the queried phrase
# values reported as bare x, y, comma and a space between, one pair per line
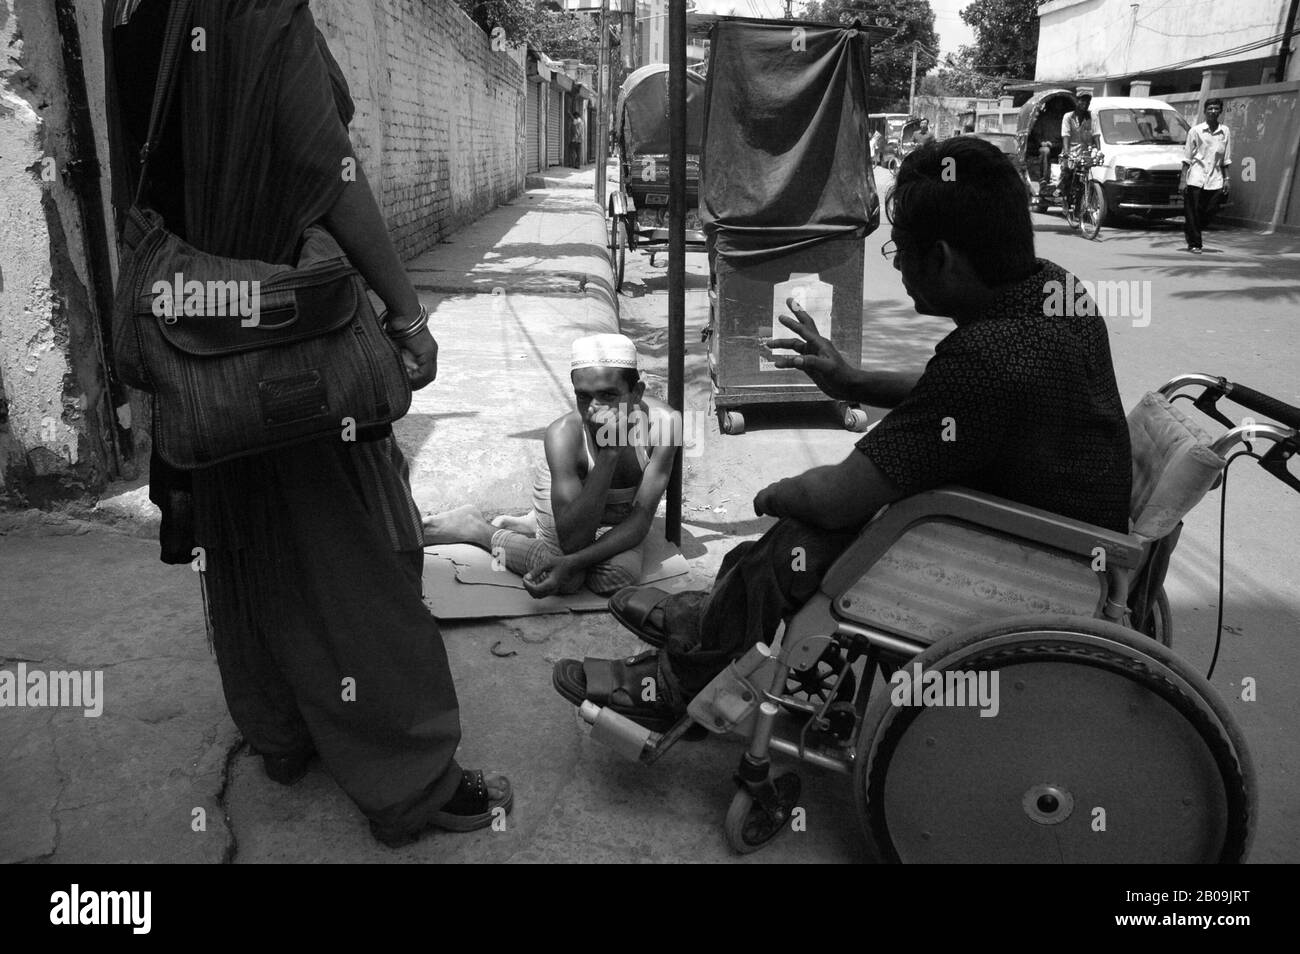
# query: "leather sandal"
632, 606
619, 685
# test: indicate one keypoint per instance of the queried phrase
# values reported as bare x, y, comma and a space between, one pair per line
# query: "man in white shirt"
1205, 172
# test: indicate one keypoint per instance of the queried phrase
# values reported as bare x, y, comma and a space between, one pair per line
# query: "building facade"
1112, 43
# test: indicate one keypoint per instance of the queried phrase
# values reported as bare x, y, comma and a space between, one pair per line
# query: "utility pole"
788, 14
602, 101
911, 97
676, 249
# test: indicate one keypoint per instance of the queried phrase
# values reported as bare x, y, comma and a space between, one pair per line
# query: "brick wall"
439, 125
439, 128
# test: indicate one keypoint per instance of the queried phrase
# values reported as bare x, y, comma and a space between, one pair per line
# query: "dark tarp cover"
643, 111
784, 162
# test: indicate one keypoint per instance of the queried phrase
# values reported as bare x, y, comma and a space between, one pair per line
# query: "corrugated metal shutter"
532, 122
555, 128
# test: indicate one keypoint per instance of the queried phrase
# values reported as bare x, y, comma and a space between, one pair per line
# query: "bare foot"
462, 525
527, 524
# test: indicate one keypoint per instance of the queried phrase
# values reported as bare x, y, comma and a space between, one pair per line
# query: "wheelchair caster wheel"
733, 422
856, 420
749, 826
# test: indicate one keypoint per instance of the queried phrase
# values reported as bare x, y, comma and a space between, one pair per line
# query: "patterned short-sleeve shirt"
1020, 403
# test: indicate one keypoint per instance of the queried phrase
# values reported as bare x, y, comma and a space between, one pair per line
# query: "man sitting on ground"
1017, 401
607, 465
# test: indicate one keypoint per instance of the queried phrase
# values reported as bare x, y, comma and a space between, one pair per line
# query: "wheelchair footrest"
620, 733
729, 703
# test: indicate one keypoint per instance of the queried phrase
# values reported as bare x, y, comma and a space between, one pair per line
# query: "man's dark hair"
976, 203
1214, 101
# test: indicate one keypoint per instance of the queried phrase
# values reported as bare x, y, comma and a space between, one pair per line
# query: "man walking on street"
1205, 173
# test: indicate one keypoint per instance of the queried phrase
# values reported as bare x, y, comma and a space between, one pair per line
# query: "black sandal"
632, 605
469, 809
618, 685
472, 807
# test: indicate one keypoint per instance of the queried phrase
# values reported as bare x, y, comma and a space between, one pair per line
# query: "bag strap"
178, 15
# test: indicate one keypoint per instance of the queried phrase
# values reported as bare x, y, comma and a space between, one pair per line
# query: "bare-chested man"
607, 465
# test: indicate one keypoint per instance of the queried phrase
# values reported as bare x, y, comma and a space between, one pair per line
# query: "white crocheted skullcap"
604, 351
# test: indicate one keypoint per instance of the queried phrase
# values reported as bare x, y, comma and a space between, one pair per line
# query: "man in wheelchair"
1017, 401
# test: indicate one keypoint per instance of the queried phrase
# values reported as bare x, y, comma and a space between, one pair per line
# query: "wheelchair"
1104, 746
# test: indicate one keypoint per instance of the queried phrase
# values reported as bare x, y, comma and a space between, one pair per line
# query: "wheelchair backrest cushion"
1173, 466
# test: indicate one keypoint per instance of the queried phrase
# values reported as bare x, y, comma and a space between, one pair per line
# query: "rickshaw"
906, 146
638, 209
897, 130
1106, 746
1038, 137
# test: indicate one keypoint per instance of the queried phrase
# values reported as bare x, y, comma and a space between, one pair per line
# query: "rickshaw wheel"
617, 251
1069, 205
749, 826
1162, 621
1094, 203
1105, 747
1161, 625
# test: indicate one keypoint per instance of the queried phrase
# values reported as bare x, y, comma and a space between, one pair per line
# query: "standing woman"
314, 552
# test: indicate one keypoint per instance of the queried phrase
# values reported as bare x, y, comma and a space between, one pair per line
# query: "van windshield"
1133, 126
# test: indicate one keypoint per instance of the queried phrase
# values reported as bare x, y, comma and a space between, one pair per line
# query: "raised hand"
816, 357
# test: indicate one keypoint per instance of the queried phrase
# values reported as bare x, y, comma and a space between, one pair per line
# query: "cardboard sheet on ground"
459, 583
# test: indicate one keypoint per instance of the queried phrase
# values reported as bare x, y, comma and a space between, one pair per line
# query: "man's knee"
805, 547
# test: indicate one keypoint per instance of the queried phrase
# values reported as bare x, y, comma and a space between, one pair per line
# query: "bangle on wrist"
420, 322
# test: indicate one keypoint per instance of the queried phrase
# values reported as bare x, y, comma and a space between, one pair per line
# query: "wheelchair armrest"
982, 510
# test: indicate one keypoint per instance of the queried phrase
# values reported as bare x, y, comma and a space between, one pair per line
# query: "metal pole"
602, 99
911, 96
676, 246
1284, 49
83, 173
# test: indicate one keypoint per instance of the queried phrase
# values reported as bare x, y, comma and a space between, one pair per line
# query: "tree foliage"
559, 35
891, 58
1006, 37
958, 77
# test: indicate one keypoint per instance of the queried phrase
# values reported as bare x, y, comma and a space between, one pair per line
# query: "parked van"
1143, 141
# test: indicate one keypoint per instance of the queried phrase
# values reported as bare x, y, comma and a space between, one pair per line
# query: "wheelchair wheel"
1105, 747
749, 827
